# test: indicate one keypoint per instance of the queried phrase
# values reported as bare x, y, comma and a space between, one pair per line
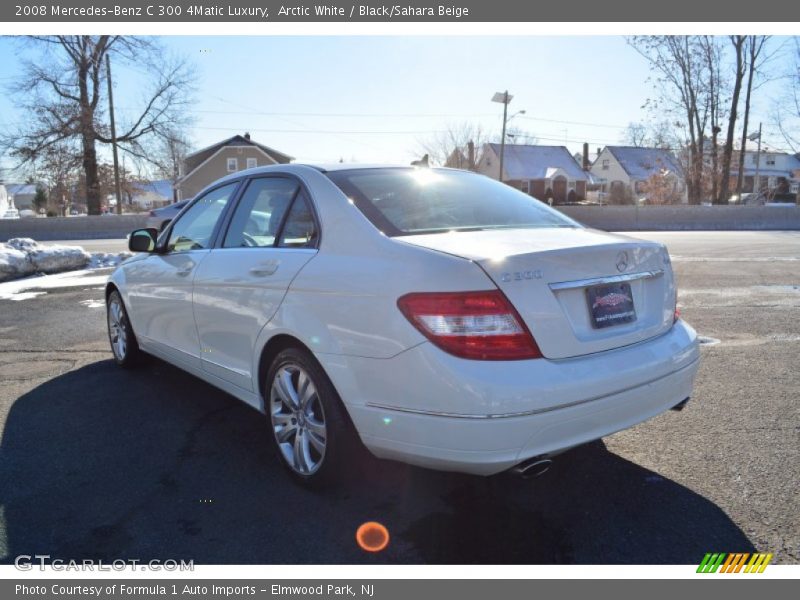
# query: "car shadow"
153, 463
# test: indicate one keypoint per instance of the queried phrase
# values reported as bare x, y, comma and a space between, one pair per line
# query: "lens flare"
372, 536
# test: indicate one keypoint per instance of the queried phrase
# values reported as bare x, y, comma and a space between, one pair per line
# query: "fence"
609, 218
71, 228
685, 218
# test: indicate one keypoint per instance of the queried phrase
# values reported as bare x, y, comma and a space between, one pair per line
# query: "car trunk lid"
557, 277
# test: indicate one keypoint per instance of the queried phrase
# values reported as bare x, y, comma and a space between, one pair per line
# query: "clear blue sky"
324, 94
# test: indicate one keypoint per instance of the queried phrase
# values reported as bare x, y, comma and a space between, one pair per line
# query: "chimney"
599, 150
247, 135
471, 155
585, 156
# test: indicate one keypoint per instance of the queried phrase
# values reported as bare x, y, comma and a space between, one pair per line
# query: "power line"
583, 123
325, 131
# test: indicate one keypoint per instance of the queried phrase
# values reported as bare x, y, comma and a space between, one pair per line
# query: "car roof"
321, 167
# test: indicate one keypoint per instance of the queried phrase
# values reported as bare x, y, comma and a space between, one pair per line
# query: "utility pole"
504, 98
757, 181
113, 136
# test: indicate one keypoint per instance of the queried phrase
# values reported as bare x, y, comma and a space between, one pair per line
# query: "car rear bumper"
426, 408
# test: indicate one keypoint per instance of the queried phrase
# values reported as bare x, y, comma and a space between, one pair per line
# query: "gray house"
628, 172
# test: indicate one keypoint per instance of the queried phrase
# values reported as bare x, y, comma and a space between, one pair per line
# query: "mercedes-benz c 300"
435, 316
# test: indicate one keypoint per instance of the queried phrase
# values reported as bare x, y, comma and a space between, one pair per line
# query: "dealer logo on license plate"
610, 304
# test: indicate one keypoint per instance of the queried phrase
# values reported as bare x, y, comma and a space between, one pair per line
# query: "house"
22, 194
628, 173
545, 172
778, 172
228, 156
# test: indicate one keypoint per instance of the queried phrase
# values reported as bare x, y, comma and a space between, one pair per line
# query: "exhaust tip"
679, 406
533, 467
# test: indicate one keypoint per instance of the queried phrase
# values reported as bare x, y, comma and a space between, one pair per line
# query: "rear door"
238, 288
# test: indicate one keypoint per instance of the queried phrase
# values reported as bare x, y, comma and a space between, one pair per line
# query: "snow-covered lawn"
31, 287
21, 257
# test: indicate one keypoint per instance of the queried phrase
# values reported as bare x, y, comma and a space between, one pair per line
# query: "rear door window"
258, 217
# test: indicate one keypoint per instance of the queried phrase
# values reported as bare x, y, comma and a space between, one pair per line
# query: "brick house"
545, 172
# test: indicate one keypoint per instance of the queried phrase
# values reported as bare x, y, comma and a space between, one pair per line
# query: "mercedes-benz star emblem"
622, 261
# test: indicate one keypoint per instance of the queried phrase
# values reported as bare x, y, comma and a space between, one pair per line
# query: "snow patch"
20, 257
93, 303
31, 287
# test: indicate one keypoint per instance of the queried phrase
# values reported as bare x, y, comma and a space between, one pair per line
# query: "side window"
260, 212
300, 230
193, 230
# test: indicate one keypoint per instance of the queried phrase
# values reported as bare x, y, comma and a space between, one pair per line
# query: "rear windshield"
413, 201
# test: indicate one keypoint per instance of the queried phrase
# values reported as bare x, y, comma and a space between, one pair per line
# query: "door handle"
264, 269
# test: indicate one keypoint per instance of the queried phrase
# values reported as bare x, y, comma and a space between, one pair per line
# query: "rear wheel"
312, 434
120, 333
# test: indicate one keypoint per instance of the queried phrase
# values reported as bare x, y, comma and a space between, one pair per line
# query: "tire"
123, 342
311, 433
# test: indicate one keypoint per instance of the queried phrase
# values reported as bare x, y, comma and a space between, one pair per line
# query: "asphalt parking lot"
104, 463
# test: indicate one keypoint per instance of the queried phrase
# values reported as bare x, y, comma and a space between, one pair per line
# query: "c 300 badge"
520, 275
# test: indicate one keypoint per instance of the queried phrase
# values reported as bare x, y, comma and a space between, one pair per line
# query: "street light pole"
503, 137
504, 98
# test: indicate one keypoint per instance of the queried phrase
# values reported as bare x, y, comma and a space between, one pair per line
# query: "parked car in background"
436, 316
159, 218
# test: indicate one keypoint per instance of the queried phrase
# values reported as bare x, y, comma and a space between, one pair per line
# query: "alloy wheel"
298, 419
117, 328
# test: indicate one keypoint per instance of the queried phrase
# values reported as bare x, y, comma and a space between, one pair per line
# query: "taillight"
476, 325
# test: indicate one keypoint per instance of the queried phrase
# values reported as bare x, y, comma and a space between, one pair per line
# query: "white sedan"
435, 316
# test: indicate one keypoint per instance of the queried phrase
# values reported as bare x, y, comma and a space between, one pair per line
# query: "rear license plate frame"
610, 304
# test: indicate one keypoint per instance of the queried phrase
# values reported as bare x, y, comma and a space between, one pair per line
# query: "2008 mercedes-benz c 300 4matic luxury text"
443, 318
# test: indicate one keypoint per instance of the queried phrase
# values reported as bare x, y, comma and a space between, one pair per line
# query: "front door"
160, 286
240, 285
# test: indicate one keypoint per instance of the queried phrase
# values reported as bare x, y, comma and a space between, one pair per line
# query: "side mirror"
143, 240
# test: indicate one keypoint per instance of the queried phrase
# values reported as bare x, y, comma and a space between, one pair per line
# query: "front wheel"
312, 435
120, 333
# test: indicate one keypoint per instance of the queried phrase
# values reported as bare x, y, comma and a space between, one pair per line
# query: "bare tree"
64, 89
738, 43
635, 134
755, 46
662, 135
787, 110
518, 135
169, 155
451, 146
58, 166
680, 78
712, 52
